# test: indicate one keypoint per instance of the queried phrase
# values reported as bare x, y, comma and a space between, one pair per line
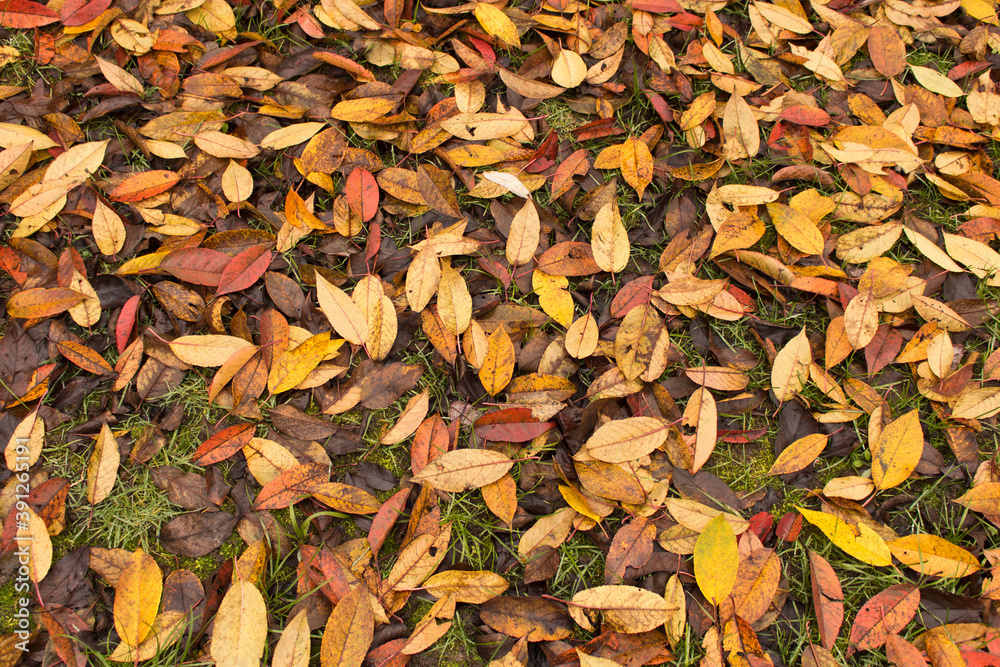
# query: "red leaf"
11, 263
656, 6
126, 322
200, 266
244, 270
385, 519
81, 12
633, 293
883, 348
374, 242
429, 442
885, 614
223, 444
804, 115
143, 186
828, 599
25, 14
511, 425
362, 193
661, 107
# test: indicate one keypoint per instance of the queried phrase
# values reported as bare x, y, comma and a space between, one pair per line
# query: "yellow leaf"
740, 133
980, 259
936, 82
861, 319
137, 598
977, 404
716, 559
422, 279
343, 314
103, 468
119, 78
293, 649
496, 24
221, 145
454, 303
581, 337
933, 556
791, 367
413, 414
362, 110
553, 296
237, 182
636, 163
497, 367
623, 608
208, 351
700, 412
464, 469
240, 626
108, 229
609, 239
568, 69
799, 454
522, 239
738, 231
627, 439
33, 531
796, 228
380, 315
25, 444
897, 450
862, 543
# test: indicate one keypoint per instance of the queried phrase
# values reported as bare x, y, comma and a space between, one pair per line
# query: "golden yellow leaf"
497, 24
553, 296
799, 454
293, 649
862, 542
933, 556
738, 231
623, 609
716, 559
209, 351
897, 450
25, 444
137, 598
237, 182
796, 228
413, 414
108, 229
861, 319
380, 315
497, 367
636, 163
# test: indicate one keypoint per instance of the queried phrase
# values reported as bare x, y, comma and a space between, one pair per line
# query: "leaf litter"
686, 310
